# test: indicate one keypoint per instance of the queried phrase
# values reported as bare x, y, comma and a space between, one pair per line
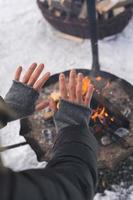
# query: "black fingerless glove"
21, 100
71, 114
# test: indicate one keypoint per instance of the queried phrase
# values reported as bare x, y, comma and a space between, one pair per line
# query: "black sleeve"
70, 175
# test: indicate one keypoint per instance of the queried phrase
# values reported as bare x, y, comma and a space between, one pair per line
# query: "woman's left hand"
31, 78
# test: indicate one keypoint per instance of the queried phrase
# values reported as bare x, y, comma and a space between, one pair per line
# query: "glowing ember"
112, 119
98, 78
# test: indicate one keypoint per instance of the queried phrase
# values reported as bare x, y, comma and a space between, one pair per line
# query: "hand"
73, 93
31, 78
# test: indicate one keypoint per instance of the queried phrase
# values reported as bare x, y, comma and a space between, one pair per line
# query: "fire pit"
70, 17
111, 120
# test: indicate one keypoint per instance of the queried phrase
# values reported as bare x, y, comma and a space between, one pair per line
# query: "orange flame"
100, 114
86, 82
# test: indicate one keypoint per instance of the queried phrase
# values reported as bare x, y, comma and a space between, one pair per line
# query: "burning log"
104, 111
109, 113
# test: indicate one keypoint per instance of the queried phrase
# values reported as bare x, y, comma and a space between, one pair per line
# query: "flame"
98, 78
86, 82
100, 114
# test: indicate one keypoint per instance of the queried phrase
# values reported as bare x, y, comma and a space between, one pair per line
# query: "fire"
98, 78
86, 82
112, 119
100, 113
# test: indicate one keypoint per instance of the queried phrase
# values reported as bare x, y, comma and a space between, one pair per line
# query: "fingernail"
34, 63
73, 70
20, 67
62, 75
42, 65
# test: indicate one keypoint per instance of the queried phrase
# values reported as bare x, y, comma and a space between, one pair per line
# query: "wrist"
71, 114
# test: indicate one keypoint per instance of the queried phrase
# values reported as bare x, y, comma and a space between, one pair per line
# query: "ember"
98, 78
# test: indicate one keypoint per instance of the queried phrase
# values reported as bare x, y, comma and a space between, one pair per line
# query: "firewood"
122, 3
106, 5
117, 11
49, 3
119, 119
57, 13
83, 13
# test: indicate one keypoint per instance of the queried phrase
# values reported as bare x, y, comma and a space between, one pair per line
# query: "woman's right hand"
72, 91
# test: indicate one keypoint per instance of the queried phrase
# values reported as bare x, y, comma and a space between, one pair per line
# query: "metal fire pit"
41, 134
81, 28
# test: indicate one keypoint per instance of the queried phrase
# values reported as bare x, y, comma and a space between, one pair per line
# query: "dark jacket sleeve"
70, 175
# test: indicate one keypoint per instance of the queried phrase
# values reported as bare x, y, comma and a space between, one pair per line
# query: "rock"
105, 140
122, 132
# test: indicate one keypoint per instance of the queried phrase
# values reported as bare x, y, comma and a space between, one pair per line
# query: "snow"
25, 37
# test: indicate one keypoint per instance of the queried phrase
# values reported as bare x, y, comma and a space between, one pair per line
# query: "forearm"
75, 151
75, 157
71, 173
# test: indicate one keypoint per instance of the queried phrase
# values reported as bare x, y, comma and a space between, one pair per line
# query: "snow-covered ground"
25, 37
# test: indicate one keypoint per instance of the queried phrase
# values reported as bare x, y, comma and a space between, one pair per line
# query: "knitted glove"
71, 114
21, 100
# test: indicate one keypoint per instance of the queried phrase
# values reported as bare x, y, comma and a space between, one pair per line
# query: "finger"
79, 88
18, 74
29, 73
35, 75
43, 104
52, 105
72, 86
40, 83
88, 96
62, 86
